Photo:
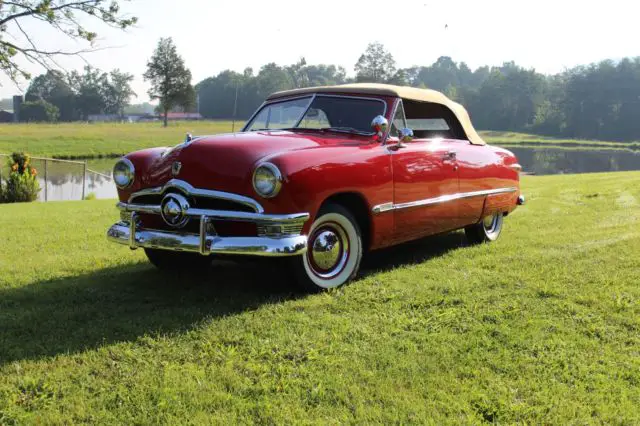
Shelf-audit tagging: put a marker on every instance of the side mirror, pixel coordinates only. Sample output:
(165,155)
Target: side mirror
(379,125)
(405,135)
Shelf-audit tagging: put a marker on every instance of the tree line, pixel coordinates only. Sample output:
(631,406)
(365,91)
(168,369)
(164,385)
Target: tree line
(597,101)
(58,96)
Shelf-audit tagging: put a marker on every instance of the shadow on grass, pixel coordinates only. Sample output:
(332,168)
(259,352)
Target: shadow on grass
(412,253)
(111,305)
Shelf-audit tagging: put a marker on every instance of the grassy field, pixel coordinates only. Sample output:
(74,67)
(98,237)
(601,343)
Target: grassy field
(524,139)
(541,327)
(82,140)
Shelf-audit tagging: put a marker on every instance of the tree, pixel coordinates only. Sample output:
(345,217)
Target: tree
(298,73)
(273,78)
(54,88)
(375,65)
(509,99)
(38,112)
(90,89)
(169,77)
(60,15)
(118,92)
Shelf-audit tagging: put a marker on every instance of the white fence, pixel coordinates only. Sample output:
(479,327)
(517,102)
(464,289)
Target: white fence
(44,173)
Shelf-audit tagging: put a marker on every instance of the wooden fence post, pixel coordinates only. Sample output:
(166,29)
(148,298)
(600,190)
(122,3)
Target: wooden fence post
(84,177)
(46,179)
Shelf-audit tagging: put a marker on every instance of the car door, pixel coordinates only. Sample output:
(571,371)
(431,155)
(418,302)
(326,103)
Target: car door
(424,177)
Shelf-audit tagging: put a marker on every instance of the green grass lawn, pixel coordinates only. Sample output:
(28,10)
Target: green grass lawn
(83,140)
(541,327)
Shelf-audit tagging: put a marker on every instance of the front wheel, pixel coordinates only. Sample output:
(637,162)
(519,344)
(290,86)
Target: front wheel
(177,261)
(487,230)
(334,250)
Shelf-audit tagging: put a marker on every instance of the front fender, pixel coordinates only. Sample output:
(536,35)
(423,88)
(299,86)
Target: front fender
(142,161)
(314,175)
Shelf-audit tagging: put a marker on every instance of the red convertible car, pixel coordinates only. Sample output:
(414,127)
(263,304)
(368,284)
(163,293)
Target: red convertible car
(320,175)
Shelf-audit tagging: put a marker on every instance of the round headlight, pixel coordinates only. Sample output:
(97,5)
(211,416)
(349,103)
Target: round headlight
(123,173)
(267,180)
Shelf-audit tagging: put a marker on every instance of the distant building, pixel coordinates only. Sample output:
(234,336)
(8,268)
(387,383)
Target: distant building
(112,118)
(184,116)
(101,118)
(6,116)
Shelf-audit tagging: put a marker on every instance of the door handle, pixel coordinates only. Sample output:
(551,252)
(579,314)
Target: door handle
(396,146)
(449,156)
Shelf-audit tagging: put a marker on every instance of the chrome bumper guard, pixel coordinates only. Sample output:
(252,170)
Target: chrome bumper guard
(207,241)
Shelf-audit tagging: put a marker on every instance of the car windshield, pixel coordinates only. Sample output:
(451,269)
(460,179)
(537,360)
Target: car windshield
(327,113)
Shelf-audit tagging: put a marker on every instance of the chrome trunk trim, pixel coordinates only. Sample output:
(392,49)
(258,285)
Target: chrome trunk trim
(385,207)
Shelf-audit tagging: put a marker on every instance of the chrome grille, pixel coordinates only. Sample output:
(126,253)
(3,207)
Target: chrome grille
(279,229)
(200,198)
(196,201)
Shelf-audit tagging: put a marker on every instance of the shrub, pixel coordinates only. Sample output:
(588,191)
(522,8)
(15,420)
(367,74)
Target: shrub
(39,111)
(22,184)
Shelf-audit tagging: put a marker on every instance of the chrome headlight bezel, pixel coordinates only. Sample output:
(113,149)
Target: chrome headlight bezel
(128,171)
(274,171)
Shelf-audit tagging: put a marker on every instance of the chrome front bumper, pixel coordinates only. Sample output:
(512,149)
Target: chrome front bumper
(207,242)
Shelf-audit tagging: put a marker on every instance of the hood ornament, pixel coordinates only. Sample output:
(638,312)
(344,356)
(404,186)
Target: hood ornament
(175,168)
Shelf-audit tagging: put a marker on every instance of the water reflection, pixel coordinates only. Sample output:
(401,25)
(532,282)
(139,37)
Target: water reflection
(549,161)
(65,180)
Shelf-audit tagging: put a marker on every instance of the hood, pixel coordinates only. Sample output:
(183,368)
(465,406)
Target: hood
(226,162)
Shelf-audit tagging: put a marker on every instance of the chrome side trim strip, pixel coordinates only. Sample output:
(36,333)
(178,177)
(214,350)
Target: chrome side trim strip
(188,189)
(385,207)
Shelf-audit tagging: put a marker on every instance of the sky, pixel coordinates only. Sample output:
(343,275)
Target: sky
(214,35)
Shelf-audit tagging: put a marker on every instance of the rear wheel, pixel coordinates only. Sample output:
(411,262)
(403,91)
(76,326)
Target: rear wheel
(334,250)
(487,230)
(177,261)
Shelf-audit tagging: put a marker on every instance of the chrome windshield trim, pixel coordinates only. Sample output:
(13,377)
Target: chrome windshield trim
(313,97)
(299,120)
(188,189)
(394,110)
(220,214)
(277,101)
(244,128)
(385,207)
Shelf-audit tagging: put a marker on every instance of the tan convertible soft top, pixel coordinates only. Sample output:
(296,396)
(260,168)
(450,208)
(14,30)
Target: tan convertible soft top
(403,92)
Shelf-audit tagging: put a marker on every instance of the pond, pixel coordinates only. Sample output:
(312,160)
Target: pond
(550,161)
(65,180)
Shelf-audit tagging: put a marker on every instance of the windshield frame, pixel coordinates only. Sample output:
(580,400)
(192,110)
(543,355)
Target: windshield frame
(312,98)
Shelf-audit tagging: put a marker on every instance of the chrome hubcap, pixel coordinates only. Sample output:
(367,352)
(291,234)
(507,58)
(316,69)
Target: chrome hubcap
(328,251)
(490,223)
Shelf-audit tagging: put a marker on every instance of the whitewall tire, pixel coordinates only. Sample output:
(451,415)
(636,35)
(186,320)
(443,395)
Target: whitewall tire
(334,250)
(487,230)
